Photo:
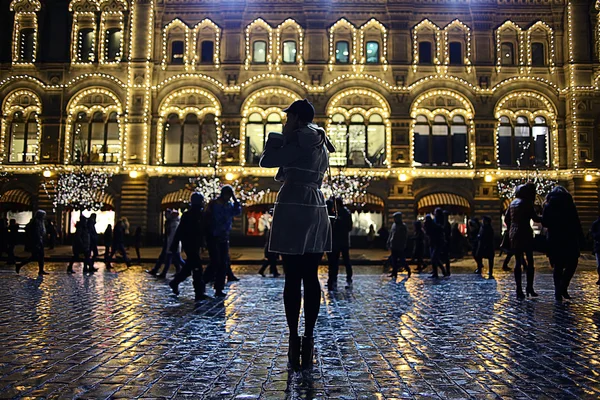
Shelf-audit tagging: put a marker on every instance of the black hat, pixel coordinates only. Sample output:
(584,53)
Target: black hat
(303,109)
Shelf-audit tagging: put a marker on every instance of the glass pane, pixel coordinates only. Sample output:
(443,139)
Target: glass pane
(421,143)
(439,119)
(504,120)
(209,150)
(538,58)
(259,52)
(357,118)
(456,57)
(255,142)
(207,51)
(113,144)
(439,145)
(425,54)
(338,136)
(113,48)
(274,127)
(86,45)
(540,120)
(342,52)
(256,117)
(172,140)
(191,140)
(460,147)
(507,54)
(356,145)
(27,45)
(97,148)
(376,144)
(505,145)
(289,52)
(421,119)
(540,142)
(372,52)
(375,118)
(274,117)
(177,52)
(32,143)
(80,138)
(522,145)
(17,140)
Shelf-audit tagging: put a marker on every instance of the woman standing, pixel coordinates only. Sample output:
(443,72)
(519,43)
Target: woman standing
(301,231)
(519,216)
(419,247)
(564,238)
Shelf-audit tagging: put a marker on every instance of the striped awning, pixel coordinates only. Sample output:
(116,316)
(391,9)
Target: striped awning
(176,198)
(370,200)
(431,201)
(17,197)
(267,199)
(107,200)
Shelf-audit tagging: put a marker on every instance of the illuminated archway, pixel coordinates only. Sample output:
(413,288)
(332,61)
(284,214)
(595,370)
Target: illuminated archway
(21,127)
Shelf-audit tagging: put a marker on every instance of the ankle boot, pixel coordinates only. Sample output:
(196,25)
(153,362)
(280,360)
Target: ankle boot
(308,349)
(529,289)
(519,281)
(294,353)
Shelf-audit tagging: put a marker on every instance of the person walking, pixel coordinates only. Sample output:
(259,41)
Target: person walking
(485,247)
(108,241)
(138,243)
(419,246)
(190,235)
(35,231)
(119,238)
(91,227)
(11,241)
(384,234)
(270,258)
(81,246)
(436,242)
(52,235)
(595,232)
(219,216)
(397,245)
(371,236)
(520,213)
(564,237)
(126,233)
(441,219)
(301,231)
(160,261)
(473,230)
(341,225)
(172,257)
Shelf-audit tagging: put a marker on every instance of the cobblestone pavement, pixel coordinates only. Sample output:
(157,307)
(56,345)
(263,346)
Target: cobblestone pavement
(122,335)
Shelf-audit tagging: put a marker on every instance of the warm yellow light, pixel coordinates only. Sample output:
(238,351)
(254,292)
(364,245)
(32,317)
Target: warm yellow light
(489,178)
(402,177)
(47,173)
(133,174)
(229,176)
(589,178)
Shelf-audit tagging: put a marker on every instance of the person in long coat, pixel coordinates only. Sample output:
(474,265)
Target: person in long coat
(301,231)
(485,246)
(519,216)
(82,245)
(341,226)
(36,233)
(564,238)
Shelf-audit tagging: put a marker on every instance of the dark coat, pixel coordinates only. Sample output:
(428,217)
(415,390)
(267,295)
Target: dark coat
(108,237)
(519,215)
(564,233)
(419,249)
(190,232)
(91,225)
(435,234)
(485,242)
(81,240)
(340,227)
(13,234)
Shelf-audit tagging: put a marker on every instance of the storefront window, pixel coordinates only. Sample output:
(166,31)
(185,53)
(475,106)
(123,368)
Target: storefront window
(103,219)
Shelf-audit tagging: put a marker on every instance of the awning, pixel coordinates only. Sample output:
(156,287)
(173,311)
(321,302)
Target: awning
(449,201)
(367,202)
(268,199)
(107,200)
(16,199)
(175,199)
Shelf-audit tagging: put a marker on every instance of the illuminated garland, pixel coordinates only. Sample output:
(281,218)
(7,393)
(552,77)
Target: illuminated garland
(350,188)
(543,186)
(81,190)
(210,188)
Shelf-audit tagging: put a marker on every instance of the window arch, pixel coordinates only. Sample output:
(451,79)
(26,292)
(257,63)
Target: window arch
(373,43)
(25,31)
(426,44)
(207,37)
(290,44)
(342,43)
(112,24)
(259,43)
(540,46)
(191,140)
(176,39)
(84,31)
(457,38)
(21,128)
(257,130)
(509,45)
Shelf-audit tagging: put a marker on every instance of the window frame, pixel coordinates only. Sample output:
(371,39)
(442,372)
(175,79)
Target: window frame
(171,52)
(105,120)
(544,61)
(295,61)
(461,60)
(512,54)
(378,55)
(25,120)
(337,61)
(431,50)
(254,50)
(212,53)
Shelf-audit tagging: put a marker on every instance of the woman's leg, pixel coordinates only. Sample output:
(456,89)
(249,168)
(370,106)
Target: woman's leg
(312,291)
(568,275)
(292,292)
(558,269)
(518,274)
(530,272)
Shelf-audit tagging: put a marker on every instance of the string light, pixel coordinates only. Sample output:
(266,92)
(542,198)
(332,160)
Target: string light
(80,189)
(299,34)
(257,23)
(426,24)
(351,188)
(25,20)
(507,187)
(333,39)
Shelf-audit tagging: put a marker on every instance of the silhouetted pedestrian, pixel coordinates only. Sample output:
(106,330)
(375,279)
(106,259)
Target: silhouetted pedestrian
(108,241)
(190,234)
(371,236)
(35,232)
(520,213)
(138,243)
(419,246)
(595,231)
(473,228)
(118,246)
(172,256)
(564,238)
(81,246)
(271,258)
(397,245)
(436,242)
(341,225)
(12,239)
(93,241)
(441,218)
(384,234)
(52,235)
(301,231)
(485,246)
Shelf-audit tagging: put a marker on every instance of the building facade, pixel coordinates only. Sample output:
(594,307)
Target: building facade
(436,101)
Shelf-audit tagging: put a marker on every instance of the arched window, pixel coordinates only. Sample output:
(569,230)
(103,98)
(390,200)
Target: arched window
(96,138)
(207,51)
(257,130)
(523,144)
(342,52)
(259,52)
(359,142)
(114,37)
(425,53)
(456,53)
(357,139)
(177,52)
(23,138)
(86,45)
(191,141)
(376,140)
(289,52)
(538,55)
(372,52)
(338,134)
(25,26)
(27,45)
(441,142)
(507,56)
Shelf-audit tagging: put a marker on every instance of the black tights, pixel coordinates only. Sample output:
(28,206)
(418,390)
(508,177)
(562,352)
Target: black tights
(525,259)
(299,269)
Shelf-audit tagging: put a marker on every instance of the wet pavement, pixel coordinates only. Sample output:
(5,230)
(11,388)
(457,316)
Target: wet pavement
(123,335)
